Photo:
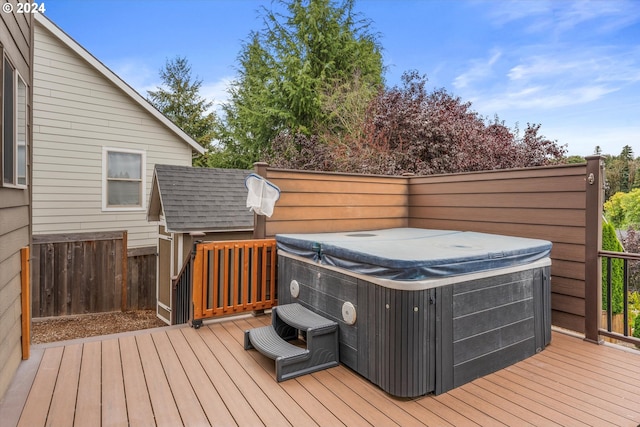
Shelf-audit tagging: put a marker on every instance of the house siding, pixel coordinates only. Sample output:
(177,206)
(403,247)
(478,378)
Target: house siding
(78,111)
(16,39)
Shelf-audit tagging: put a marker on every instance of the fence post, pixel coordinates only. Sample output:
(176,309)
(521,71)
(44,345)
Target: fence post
(125,270)
(593,244)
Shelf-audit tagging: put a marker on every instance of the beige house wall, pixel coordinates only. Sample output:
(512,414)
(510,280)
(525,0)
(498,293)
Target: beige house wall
(81,108)
(16,42)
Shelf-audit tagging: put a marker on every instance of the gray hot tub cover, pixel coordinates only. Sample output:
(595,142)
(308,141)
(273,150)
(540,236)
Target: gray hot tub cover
(413,253)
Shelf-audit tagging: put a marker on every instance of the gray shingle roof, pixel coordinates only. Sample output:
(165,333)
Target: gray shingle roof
(200,199)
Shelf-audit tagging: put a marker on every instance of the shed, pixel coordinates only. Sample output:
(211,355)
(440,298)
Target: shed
(194,204)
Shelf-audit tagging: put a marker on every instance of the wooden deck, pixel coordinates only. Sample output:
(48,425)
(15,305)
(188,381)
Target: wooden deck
(182,376)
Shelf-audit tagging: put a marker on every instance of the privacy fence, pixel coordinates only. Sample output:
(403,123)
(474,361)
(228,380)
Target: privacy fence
(562,204)
(89,273)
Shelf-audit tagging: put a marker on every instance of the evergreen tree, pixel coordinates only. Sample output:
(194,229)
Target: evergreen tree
(179,99)
(290,71)
(611,243)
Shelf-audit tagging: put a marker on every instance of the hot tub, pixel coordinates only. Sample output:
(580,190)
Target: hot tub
(422,311)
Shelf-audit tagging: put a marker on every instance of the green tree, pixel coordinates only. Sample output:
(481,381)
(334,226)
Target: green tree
(179,99)
(575,159)
(613,210)
(623,209)
(411,130)
(610,243)
(631,206)
(626,158)
(289,72)
(622,172)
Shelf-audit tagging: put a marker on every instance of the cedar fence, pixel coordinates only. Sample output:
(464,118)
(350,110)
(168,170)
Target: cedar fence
(83,273)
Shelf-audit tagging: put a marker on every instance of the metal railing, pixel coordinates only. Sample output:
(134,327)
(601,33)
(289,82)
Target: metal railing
(607,329)
(233,277)
(181,288)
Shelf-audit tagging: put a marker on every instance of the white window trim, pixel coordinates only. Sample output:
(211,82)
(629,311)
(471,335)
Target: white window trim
(17,78)
(105,207)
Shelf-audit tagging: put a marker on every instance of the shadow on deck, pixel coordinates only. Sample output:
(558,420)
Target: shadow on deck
(182,376)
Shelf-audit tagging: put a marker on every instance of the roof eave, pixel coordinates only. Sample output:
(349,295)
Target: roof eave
(216,230)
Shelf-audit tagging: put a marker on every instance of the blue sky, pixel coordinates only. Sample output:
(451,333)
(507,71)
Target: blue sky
(573,66)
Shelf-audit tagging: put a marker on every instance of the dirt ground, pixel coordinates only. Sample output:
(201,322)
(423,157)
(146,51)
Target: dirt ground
(89,325)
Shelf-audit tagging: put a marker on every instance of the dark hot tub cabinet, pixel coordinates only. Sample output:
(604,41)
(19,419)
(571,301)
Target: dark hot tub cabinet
(422,311)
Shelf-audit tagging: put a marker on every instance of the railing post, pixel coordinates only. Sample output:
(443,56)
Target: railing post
(260,221)
(593,244)
(196,286)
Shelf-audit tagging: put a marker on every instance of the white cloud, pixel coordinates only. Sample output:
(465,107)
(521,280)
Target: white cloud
(582,140)
(216,92)
(137,74)
(540,97)
(557,17)
(543,67)
(551,79)
(479,70)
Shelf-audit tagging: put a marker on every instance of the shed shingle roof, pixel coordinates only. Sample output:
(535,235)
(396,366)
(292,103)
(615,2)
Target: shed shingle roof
(200,199)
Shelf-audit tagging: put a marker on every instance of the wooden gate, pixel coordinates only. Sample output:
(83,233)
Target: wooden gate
(233,277)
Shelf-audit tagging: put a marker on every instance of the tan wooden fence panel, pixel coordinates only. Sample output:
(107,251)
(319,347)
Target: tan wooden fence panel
(323,202)
(544,203)
(555,203)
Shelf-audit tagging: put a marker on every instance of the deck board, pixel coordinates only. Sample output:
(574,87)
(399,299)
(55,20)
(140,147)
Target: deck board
(188,404)
(36,409)
(493,397)
(549,399)
(482,406)
(575,396)
(88,405)
(241,411)
(139,410)
(183,376)
(230,336)
(160,394)
(212,404)
(114,402)
(252,392)
(65,393)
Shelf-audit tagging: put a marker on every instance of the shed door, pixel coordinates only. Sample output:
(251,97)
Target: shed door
(165,243)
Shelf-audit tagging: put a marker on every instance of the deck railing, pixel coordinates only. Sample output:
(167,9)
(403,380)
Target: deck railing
(607,328)
(181,286)
(233,277)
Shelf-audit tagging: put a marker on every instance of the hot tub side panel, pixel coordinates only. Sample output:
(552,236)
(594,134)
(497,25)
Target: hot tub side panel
(391,342)
(411,343)
(396,348)
(489,324)
(323,292)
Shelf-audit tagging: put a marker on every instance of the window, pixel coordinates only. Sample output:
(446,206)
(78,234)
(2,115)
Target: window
(14,127)
(123,173)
